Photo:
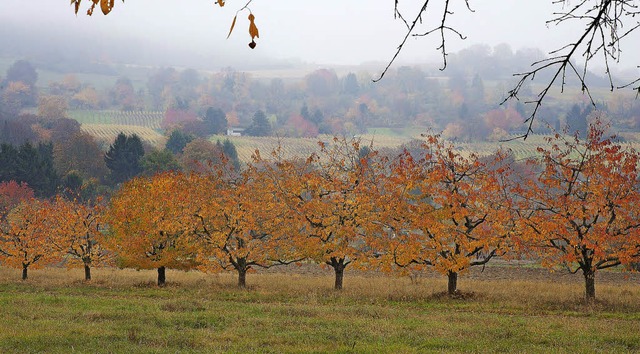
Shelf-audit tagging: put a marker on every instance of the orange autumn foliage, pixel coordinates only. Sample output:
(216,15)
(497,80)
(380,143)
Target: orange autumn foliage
(579,211)
(332,198)
(451,213)
(25,237)
(147,218)
(239,224)
(77,233)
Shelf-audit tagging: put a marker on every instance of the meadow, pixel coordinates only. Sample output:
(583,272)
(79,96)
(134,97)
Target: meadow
(122,311)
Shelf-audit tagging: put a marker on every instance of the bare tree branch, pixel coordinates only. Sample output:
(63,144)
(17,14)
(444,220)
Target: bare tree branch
(607,23)
(601,36)
(411,28)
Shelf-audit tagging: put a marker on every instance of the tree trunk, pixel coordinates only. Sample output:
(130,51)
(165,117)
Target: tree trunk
(162,278)
(452,287)
(339,277)
(24,272)
(589,284)
(338,268)
(87,272)
(242,278)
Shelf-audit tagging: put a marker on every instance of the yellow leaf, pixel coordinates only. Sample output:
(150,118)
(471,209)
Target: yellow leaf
(233,24)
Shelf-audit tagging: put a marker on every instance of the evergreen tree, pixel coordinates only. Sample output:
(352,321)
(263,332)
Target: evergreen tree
(8,162)
(177,141)
(123,158)
(231,153)
(476,93)
(260,125)
(46,177)
(317,118)
(216,121)
(304,112)
(30,164)
(350,84)
(577,120)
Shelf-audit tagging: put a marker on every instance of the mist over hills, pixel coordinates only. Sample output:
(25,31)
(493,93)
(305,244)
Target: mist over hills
(64,49)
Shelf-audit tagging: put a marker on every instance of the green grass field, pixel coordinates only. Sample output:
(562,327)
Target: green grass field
(121,311)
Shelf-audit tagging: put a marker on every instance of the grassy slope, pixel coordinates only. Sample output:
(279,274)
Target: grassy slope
(122,312)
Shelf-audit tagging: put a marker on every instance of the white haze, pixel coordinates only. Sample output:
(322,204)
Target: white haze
(342,32)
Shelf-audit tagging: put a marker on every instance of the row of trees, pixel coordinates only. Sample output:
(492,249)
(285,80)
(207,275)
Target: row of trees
(53,155)
(432,206)
(461,103)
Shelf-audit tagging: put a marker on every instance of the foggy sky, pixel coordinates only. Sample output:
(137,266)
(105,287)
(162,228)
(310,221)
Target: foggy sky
(323,32)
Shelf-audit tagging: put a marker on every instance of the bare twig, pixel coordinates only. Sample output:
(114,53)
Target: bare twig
(607,23)
(601,37)
(411,28)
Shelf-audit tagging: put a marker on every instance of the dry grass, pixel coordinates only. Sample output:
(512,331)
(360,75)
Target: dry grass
(555,292)
(123,311)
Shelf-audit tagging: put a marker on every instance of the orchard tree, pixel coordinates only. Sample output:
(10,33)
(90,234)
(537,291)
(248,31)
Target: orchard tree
(77,233)
(333,198)
(453,211)
(24,238)
(240,223)
(147,219)
(578,212)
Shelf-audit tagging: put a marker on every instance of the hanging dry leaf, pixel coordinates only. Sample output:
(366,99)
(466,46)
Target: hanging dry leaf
(106,6)
(233,24)
(253,30)
(93,6)
(76,4)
